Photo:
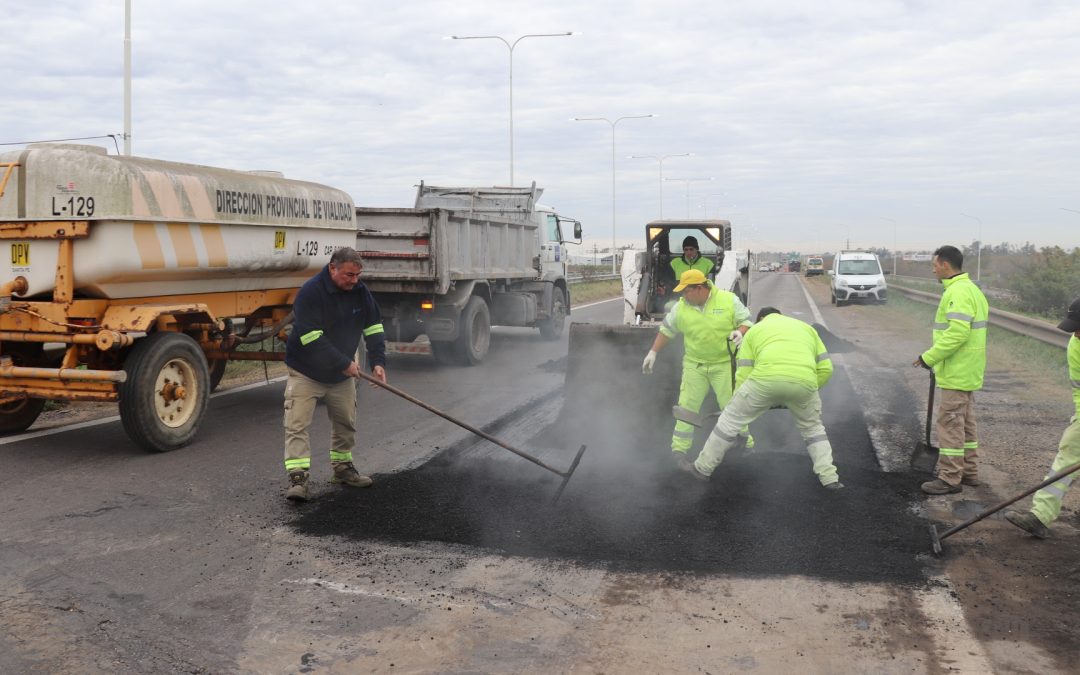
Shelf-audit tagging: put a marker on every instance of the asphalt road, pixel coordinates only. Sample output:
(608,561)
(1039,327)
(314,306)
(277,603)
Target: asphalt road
(191,561)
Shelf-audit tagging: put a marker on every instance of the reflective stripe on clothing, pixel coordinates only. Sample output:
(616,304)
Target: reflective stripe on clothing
(745,363)
(373,330)
(298,464)
(1047,503)
(698,379)
(308,338)
(336,457)
(971,445)
(951,452)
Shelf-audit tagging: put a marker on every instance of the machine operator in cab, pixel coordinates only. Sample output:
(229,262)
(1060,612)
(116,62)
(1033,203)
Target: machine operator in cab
(691,259)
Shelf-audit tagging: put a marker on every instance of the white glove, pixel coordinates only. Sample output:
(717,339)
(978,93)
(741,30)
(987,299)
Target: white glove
(650,361)
(735,337)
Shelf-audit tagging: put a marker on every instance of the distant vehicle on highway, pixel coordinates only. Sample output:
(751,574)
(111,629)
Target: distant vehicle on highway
(856,274)
(794,266)
(814,266)
(764,268)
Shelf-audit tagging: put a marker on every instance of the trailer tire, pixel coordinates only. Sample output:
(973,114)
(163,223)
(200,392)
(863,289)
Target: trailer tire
(154,413)
(552,328)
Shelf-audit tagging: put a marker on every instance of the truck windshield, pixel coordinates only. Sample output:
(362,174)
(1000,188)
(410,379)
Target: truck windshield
(816,262)
(859,267)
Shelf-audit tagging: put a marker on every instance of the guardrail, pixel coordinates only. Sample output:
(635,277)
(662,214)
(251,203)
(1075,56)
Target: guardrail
(990,291)
(579,278)
(1042,331)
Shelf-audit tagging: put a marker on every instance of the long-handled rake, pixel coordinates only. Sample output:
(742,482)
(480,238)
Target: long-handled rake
(565,475)
(935,538)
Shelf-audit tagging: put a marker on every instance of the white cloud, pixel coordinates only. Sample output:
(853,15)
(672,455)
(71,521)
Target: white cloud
(812,118)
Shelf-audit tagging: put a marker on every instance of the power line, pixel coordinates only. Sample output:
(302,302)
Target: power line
(62,140)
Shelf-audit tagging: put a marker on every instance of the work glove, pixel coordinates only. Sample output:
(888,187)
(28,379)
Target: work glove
(736,337)
(650,361)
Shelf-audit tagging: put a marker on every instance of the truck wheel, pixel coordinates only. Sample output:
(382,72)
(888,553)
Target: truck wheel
(552,329)
(166,392)
(474,334)
(216,372)
(19,415)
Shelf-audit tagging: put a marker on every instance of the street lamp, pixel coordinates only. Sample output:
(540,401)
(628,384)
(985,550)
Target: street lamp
(893,242)
(1073,210)
(661,161)
(978,255)
(510,46)
(688,181)
(614,270)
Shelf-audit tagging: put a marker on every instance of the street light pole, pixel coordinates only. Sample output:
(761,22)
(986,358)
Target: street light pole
(614,124)
(978,254)
(893,242)
(510,47)
(127,78)
(661,161)
(688,181)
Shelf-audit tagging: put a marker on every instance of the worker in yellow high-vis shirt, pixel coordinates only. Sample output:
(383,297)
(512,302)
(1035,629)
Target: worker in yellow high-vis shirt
(1046,506)
(707,318)
(782,362)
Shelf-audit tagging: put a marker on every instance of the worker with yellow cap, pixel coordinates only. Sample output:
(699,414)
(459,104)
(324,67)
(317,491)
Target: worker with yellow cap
(708,319)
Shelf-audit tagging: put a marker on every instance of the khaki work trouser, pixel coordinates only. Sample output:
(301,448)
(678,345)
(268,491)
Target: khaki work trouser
(958,436)
(301,395)
(1047,503)
(753,399)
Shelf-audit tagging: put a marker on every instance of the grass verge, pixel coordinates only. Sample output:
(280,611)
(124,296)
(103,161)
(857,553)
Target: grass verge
(591,291)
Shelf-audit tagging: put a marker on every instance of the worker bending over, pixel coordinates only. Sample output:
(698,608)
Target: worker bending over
(1046,506)
(782,362)
(708,318)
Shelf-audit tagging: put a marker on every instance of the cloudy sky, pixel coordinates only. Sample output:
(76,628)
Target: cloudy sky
(816,121)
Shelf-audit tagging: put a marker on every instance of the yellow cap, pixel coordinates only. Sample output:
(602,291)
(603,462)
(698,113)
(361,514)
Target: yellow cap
(690,278)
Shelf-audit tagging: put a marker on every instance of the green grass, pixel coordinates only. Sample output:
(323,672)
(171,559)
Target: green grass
(591,291)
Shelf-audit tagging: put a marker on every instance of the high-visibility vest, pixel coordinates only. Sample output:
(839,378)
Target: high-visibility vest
(1074,371)
(958,355)
(782,348)
(679,265)
(705,329)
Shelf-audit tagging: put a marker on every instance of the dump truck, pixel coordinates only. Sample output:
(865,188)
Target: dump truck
(462,260)
(609,356)
(134,280)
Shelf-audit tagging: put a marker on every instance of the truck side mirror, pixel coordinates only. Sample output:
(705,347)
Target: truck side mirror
(577,230)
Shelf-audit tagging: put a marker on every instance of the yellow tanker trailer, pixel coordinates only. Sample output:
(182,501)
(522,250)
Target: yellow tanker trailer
(138,270)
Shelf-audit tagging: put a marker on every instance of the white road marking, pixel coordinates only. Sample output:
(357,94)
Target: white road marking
(813,305)
(594,304)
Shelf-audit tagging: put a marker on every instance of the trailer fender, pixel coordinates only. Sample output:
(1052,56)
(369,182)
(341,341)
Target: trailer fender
(442,325)
(142,318)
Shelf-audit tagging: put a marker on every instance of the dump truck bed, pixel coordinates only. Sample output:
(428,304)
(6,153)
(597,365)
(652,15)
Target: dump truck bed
(426,250)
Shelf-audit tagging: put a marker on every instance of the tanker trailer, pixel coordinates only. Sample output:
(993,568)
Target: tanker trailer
(148,274)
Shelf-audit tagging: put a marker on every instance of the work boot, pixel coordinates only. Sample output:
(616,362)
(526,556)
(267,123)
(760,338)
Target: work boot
(1028,522)
(298,490)
(970,481)
(687,467)
(346,474)
(834,486)
(680,461)
(939,487)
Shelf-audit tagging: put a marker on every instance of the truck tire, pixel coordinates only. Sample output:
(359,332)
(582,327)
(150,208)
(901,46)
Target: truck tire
(552,328)
(19,415)
(474,335)
(166,392)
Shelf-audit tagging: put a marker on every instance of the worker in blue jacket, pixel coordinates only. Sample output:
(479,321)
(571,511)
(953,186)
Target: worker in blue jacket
(333,311)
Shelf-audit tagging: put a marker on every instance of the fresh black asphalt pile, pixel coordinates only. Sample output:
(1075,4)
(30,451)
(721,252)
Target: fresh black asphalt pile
(761,514)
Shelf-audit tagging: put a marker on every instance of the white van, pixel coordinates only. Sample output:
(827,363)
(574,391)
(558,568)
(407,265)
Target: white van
(856,274)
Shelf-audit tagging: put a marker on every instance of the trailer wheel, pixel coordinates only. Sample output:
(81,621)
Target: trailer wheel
(552,328)
(19,415)
(166,392)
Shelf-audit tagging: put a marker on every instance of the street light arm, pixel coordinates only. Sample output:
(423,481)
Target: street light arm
(534,35)
(483,37)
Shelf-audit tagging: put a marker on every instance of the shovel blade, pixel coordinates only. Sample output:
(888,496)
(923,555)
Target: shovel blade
(924,458)
(935,540)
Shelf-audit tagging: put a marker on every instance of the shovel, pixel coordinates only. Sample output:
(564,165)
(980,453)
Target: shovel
(696,419)
(565,475)
(925,456)
(935,538)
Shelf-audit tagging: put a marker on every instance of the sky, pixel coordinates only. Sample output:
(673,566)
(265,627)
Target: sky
(821,125)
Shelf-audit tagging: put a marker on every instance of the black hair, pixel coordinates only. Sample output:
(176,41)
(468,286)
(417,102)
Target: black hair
(766,311)
(951,255)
